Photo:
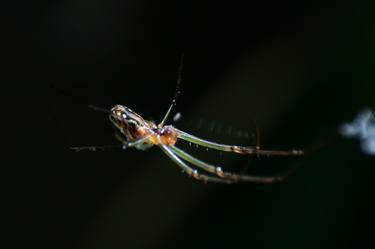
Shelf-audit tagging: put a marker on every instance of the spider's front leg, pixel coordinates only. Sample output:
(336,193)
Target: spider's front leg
(236,149)
(227,177)
(190,171)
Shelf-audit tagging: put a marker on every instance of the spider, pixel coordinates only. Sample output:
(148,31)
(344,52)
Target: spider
(142,134)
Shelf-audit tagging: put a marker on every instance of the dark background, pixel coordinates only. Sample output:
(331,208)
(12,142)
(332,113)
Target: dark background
(297,69)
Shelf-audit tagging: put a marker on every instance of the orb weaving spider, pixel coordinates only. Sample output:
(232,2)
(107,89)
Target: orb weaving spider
(143,134)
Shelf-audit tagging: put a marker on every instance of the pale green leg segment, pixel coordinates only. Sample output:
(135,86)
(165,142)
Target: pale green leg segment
(195,140)
(207,167)
(233,148)
(192,172)
(225,175)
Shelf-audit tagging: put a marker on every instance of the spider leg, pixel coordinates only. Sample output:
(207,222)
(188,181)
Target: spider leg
(234,148)
(95,148)
(177,93)
(125,144)
(190,171)
(232,177)
(207,167)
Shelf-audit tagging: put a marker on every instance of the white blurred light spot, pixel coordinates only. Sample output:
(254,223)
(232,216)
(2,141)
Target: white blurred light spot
(177,117)
(363,128)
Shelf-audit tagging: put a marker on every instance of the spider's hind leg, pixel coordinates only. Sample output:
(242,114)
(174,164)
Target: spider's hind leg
(124,144)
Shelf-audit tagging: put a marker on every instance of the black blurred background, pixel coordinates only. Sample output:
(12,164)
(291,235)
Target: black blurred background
(298,69)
